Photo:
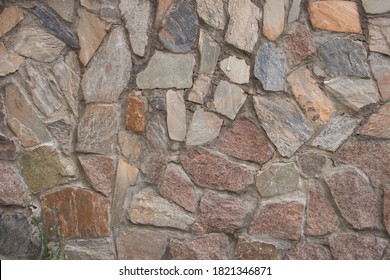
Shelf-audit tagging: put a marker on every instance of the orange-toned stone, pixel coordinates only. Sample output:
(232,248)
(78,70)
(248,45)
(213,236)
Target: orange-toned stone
(339,16)
(136,112)
(273,19)
(378,125)
(9,18)
(9,61)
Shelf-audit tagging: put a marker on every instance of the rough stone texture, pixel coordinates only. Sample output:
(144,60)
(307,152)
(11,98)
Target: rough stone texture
(321,218)
(298,44)
(177,187)
(81,213)
(228,99)
(131,244)
(64,8)
(283,122)
(236,69)
(244,141)
(180,29)
(157,100)
(339,16)
(209,53)
(17,239)
(156,135)
(335,133)
(9,18)
(211,247)
(220,214)
(137,16)
(42,169)
(355,198)
(386,208)
(176,115)
(353,93)
(136,111)
(153,166)
(352,246)
(370,156)
(91,31)
(13,191)
(97,131)
(109,71)
(379,35)
(9,149)
(378,125)
(273,19)
(212,12)
(307,251)
(205,127)
(89,249)
(344,57)
(311,164)
(9,61)
(62,131)
(215,172)
(200,89)
(243,28)
(99,171)
(270,67)
(294,11)
(376,6)
(279,220)
(163,8)
(147,207)
(167,70)
(310,97)
(277,179)
(131,145)
(380,66)
(107,9)
(249,249)
(22,118)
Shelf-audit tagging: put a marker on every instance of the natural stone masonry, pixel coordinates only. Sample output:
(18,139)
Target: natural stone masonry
(137,108)
(378,125)
(379,29)
(380,66)
(209,53)
(9,18)
(176,115)
(307,251)
(248,249)
(236,69)
(9,61)
(273,19)
(212,12)
(13,191)
(228,99)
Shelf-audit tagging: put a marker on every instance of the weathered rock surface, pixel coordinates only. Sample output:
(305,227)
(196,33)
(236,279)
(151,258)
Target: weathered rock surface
(307,251)
(249,249)
(379,35)
(386,208)
(153,166)
(228,99)
(136,111)
(13,191)
(298,44)
(62,131)
(378,125)
(9,149)
(215,172)
(294,11)
(380,66)
(163,8)
(311,164)
(64,8)
(9,61)
(273,19)
(89,249)
(9,18)
(176,115)
(107,9)
(236,69)
(157,134)
(212,12)
(376,6)
(157,100)
(131,145)
(209,53)
(200,89)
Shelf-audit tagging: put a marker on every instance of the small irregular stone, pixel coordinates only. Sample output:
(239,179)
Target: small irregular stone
(228,99)
(378,125)
(9,18)
(109,71)
(215,172)
(386,208)
(277,179)
(157,134)
(204,128)
(176,115)
(13,191)
(166,70)
(335,133)
(163,7)
(298,44)
(249,249)
(236,69)
(283,122)
(153,166)
(311,164)
(64,8)
(212,12)
(200,89)
(379,35)
(294,11)
(157,100)
(209,53)
(89,249)
(136,112)
(376,6)
(107,9)
(62,131)
(149,208)
(9,61)
(9,149)
(245,141)
(131,145)
(380,66)
(270,67)
(308,251)
(273,19)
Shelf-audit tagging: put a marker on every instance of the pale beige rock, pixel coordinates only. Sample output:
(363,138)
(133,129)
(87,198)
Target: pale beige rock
(379,35)
(212,12)
(376,6)
(131,145)
(209,53)
(64,8)
(9,61)
(236,69)
(228,99)
(200,89)
(9,18)
(273,19)
(176,115)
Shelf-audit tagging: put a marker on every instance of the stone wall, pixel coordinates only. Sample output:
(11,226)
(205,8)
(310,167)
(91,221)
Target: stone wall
(207,129)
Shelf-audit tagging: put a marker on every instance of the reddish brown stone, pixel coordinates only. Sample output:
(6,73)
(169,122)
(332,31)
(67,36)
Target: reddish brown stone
(211,247)
(100,172)
(378,125)
(279,220)
(386,209)
(81,213)
(244,141)
(248,249)
(220,214)
(372,157)
(352,246)
(177,187)
(355,198)
(215,172)
(13,191)
(136,113)
(311,164)
(307,251)
(298,45)
(8,148)
(321,218)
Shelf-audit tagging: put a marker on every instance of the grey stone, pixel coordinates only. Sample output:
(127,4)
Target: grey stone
(344,57)
(311,164)
(379,35)
(209,53)
(8,148)
(228,99)
(131,145)
(157,100)
(153,166)
(294,11)
(236,69)
(13,191)
(380,66)
(200,89)
(307,251)
(64,8)
(167,70)
(212,12)
(109,71)
(62,131)
(283,122)
(176,115)
(335,133)
(89,249)
(270,67)
(376,6)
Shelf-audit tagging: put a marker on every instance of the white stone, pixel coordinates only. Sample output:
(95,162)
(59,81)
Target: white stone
(236,69)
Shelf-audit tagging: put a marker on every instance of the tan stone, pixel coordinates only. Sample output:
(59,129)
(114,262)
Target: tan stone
(9,61)
(9,18)
(339,16)
(176,115)
(136,112)
(378,125)
(64,8)
(379,35)
(273,19)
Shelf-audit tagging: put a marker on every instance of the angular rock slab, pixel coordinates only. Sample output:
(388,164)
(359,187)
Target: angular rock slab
(249,249)
(64,8)
(273,19)
(153,166)
(212,12)
(209,52)
(136,112)
(176,115)
(386,209)
(109,71)
(245,141)
(167,70)
(283,122)
(149,208)
(215,172)
(81,213)
(376,6)
(62,131)
(211,247)
(97,131)
(13,191)
(157,134)
(107,9)
(9,18)
(378,125)
(131,145)
(270,67)
(379,35)
(93,249)
(228,99)
(180,30)
(9,61)
(294,11)
(131,244)
(236,69)
(307,251)
(339,16)
(380,66)
(344,57)
(200,89)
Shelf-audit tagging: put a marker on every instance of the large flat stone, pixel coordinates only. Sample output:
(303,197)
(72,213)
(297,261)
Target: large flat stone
(176,115)
(167,70)
(308,251)
(236,69)
(109,71)
(273,19)
(9,18)
(379,35)
(249,249)
(13,191)
(378,125)
(283,122)
(380,66)
(9,61)
(213,12)
(228,99)
(376,6)
(209,52)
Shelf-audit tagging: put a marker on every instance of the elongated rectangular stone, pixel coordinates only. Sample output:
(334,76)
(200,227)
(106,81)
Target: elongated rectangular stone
(176,115)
